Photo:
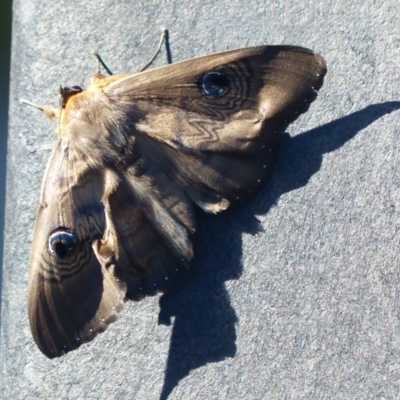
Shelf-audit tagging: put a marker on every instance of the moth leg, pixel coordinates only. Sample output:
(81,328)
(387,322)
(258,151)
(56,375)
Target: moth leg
(100,62)
(50,111)
(163,38)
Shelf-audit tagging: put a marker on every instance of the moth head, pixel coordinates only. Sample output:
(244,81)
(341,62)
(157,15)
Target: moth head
(214,84)
(61,243)
(51,112)
(67,92)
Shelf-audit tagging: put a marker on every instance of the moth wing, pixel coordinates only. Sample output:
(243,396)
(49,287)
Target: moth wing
(70,298)
(148,219)
(219,149)
(129,238)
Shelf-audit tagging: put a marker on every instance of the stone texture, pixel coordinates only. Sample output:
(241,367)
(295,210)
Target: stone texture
(294,297)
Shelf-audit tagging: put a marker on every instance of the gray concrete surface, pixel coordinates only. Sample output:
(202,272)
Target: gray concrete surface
(294,297)
(5,44)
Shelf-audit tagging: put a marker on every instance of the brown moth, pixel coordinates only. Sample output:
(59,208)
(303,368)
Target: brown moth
(135,154)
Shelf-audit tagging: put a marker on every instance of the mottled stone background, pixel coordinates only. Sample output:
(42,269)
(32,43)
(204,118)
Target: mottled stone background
(294,297)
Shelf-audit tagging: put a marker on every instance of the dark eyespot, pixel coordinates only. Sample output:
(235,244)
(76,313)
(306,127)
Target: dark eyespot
(214,84)
(61,243)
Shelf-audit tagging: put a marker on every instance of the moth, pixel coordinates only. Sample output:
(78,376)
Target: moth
(135,155)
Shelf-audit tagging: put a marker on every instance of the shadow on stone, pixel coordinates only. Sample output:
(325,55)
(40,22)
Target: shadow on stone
(203,318)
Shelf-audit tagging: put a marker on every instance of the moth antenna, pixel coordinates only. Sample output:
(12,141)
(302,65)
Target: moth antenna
(100,62)
(29,103)
(164,34)
(49,111)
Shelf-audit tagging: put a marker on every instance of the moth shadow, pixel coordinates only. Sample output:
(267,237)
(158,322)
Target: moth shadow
(200,309)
